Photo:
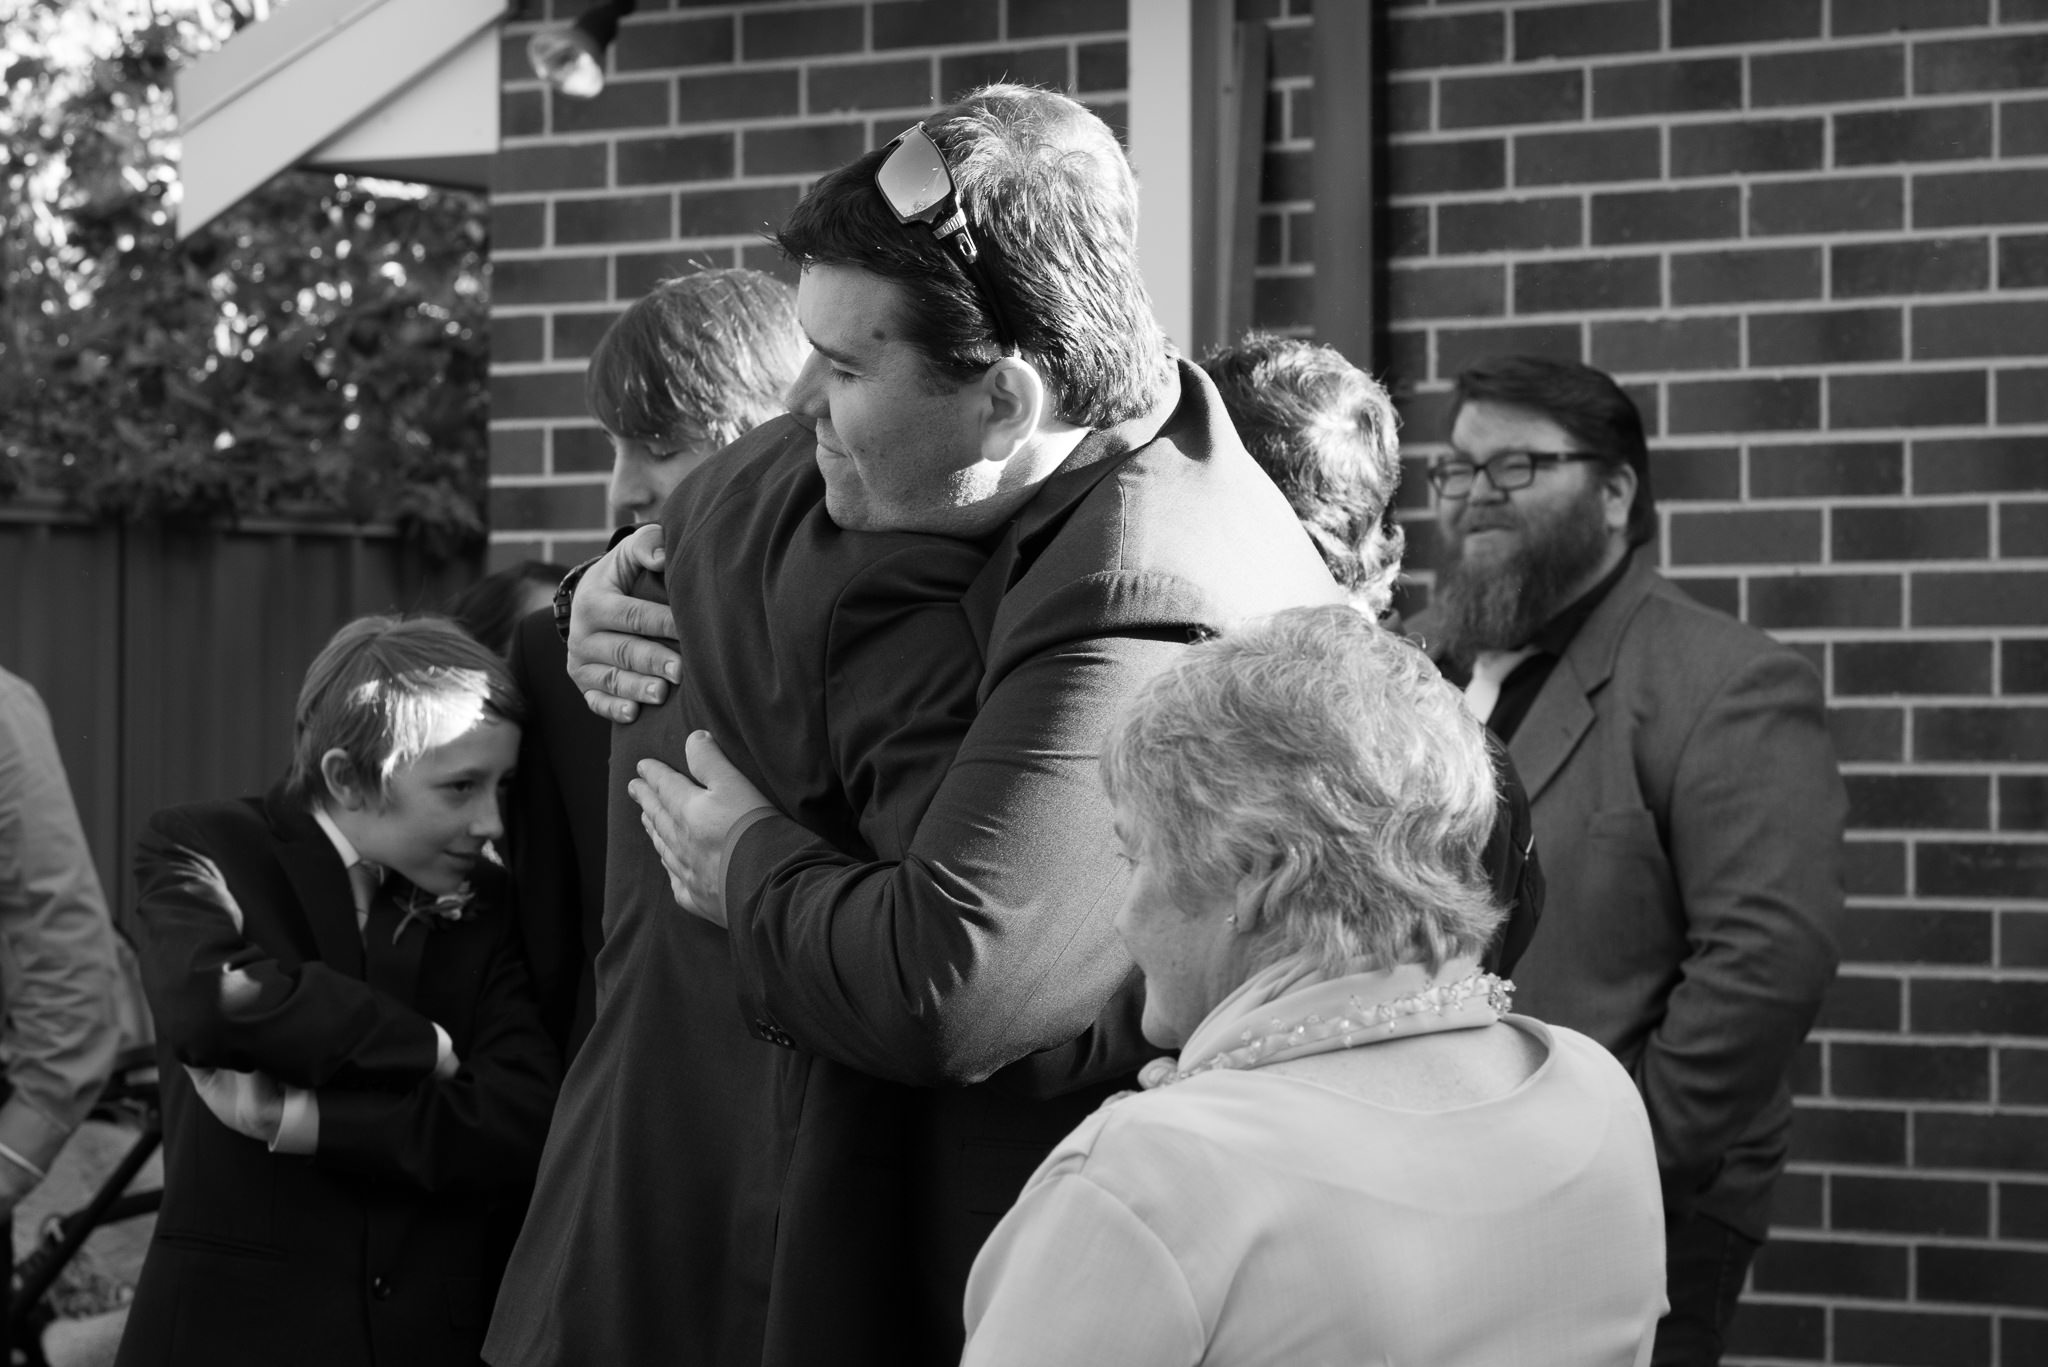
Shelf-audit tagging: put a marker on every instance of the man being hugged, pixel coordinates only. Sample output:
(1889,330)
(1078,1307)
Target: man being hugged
(356,1083)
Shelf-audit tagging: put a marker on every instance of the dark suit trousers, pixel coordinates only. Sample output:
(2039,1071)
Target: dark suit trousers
(1704,1264)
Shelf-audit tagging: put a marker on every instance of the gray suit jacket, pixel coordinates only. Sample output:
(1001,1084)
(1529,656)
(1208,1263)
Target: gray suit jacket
(1689,813)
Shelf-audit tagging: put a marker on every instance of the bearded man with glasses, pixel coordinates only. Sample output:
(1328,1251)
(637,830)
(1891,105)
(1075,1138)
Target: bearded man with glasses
(1687,802)
(895,1021)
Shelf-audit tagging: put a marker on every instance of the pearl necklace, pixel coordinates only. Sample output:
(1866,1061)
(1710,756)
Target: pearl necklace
(1365,1023)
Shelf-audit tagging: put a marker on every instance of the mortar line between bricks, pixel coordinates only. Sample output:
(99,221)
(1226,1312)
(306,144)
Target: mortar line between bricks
(1974,564)
(1786,47)
(1852,635)
(1837,569)
(1890,1173)
(1750,1296)
(1758,308)
(1857,238)
(1977,1109)
(1881,1239)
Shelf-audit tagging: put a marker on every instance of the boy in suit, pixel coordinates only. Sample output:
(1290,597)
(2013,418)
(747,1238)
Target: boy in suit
(356,1084)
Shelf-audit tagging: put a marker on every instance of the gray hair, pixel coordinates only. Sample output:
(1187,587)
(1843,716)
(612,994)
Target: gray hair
(1318,770)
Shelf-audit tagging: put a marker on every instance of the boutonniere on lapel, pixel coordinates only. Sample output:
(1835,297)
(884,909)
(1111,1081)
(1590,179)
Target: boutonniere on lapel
(434,913)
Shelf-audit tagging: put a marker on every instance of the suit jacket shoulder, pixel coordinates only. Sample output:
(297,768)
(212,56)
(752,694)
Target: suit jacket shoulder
(1180,533)
(1668,645)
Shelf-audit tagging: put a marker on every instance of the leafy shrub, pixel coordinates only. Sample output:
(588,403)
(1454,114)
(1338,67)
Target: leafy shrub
(318,349)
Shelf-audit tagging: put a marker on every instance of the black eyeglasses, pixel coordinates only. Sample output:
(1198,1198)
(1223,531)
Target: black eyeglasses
(1454,476)
(918,187)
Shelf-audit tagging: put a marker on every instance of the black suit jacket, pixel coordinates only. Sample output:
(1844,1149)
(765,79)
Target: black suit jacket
(786,1144)
(555,832)
(708,1196)
(384,1246)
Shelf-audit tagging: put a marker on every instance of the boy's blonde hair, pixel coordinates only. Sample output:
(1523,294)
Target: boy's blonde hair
(381,689)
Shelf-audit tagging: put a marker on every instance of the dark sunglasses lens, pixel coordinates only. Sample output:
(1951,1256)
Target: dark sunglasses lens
(913,178)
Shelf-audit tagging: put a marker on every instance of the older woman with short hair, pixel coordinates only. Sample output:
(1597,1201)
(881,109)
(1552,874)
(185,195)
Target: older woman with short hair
(1358,1156)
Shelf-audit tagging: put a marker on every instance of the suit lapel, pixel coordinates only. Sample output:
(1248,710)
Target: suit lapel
(394,963)
(1556,721)
(1563,711)
(985,595)
(317,876)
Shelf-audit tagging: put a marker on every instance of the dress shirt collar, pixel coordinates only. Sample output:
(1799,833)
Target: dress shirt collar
(342,847)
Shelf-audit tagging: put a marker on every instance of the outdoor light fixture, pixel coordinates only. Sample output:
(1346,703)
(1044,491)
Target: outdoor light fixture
(572,59)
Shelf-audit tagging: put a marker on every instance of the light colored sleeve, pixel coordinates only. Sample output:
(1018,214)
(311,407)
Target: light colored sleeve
(1072,1276)
(445,1061)
(298,1131)
(57,969)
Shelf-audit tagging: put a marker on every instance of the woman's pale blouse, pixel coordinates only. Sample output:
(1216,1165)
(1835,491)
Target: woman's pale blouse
(1247,1216)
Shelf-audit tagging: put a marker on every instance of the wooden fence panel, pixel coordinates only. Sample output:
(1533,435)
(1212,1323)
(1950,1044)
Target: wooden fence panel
(60,630)
(171,660)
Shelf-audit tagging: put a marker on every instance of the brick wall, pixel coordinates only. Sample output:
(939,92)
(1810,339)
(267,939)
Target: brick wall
(715,119)
(1811,237)
(1813,240)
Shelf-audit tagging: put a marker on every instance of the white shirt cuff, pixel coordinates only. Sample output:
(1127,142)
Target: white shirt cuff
(445,1062)
(299,1130)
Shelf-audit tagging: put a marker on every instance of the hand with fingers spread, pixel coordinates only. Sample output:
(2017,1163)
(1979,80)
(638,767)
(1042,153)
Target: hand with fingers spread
(618,651)
(690,819)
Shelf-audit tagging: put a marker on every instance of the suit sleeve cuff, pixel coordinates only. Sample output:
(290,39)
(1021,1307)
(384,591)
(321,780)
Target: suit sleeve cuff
(299,1131)
(29,1139)
(738,895)
(445,1062)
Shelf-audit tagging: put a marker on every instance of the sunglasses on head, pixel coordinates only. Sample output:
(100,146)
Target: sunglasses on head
(918,187)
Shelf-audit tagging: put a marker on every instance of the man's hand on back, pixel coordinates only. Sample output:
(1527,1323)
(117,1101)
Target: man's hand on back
(690,820)
(617,650)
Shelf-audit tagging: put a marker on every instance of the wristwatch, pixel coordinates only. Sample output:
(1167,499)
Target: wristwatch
(565,597)
(565,592)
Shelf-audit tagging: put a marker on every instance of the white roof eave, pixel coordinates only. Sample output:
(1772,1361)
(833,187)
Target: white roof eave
(405,88)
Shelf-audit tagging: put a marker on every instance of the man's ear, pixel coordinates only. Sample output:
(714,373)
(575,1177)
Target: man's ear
(345,787)
(1618,495)
(1014,407)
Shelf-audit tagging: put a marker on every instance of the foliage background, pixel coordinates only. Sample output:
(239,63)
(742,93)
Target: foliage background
(320,348)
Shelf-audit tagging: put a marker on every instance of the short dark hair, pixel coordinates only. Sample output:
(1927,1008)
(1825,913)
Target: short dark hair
(1052,204)
(377,690)
(702,358)
(1583,401)
(1323,430)
(489,609)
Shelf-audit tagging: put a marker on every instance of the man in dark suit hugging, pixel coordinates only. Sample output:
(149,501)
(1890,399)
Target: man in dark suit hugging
(986,370)
(356,1084)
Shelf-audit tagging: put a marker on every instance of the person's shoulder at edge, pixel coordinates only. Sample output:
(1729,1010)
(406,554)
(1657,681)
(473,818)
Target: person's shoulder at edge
(1677,638)
(252,813)
(1125,1126)
(1185,529)
(14,689)
(1676,604)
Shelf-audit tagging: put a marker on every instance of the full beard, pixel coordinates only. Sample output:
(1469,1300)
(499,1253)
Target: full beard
(1500,602)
